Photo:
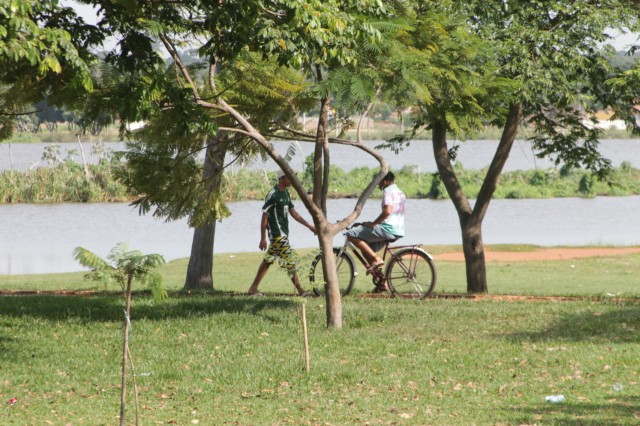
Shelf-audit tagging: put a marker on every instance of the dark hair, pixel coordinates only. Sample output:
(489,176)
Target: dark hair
(390,177)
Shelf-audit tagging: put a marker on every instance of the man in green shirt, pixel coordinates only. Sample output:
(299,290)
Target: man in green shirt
(275,220)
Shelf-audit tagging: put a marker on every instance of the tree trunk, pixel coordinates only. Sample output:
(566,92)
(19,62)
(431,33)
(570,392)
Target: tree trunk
(125,350)
(200,268)
(332,289)
(475,263)
(470,227)
(471,219)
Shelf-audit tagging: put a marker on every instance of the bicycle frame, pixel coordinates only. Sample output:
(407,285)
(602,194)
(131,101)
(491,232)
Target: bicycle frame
(388,248)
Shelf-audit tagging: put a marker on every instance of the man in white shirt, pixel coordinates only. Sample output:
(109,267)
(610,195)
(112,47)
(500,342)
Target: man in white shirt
(370,237)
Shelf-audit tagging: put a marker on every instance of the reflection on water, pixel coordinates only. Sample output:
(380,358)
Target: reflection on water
(41,238)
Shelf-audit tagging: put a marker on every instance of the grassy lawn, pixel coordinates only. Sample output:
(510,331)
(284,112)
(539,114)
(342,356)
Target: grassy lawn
(230,359)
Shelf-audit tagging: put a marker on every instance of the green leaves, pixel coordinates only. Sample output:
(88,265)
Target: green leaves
(44,54)
(164,159)
(123,265)
(90,259)
(552,54)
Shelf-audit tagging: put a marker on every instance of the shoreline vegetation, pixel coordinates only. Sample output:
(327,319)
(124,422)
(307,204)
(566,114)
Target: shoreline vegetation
(67,182)
(379,130)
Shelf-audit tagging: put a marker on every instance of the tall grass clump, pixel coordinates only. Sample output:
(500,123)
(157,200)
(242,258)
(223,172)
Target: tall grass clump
(63,183)
(66,134)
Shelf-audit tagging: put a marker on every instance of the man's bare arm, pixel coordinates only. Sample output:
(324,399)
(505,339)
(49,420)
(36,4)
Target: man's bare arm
(294,213)
(263,231)
(386,211)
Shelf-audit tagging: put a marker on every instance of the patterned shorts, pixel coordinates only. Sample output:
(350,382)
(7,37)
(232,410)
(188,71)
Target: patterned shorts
(281,250)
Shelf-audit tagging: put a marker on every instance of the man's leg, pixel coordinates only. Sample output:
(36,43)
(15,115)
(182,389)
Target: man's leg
(296,282)
(368,253)
(262,271)
(290,259)
(371,257)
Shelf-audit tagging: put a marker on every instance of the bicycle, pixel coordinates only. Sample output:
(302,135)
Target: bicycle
(409,273)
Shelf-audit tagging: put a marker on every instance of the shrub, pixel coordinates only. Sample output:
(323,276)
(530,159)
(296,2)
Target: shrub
(586,184)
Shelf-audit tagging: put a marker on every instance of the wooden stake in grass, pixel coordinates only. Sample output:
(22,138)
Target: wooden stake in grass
(306,337)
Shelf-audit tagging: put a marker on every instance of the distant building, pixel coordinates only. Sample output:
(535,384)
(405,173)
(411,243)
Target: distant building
(135,125)
(636,114)
(605,121)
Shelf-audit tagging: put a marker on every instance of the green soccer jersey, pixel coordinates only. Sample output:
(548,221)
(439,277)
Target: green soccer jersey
(277,204)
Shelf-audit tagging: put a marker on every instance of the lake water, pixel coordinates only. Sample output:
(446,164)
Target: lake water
(41,238)
(472,155)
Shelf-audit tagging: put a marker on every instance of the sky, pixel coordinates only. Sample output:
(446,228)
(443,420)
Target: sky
(88,13)
(624,41)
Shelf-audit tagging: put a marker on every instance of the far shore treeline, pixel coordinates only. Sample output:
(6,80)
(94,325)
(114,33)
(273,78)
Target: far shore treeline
(69,183)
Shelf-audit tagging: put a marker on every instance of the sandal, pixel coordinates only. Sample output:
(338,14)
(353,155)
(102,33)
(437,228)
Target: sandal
(381,289)
(375,266)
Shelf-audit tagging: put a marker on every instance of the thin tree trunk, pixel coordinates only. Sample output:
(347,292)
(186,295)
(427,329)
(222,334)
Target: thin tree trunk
(200,268)
(84,160)
(332,290)
(314,204)
(125,350)
(321,164)
(503,150)
(135,385)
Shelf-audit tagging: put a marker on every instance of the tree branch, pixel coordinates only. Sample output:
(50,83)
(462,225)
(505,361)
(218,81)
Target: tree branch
(497,164)
(178,61)
(364,114)
(236,130)
(447,173)
(18,114)
(298,133)
(249,131)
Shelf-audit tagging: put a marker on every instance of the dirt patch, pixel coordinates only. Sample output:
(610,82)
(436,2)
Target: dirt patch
(513,298)
(519,298)
(543,254)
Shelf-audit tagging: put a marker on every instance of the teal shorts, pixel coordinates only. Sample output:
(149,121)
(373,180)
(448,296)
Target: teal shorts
(376,236)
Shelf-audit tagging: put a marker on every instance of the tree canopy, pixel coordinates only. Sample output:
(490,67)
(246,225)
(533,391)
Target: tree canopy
(45,54)
(539,64)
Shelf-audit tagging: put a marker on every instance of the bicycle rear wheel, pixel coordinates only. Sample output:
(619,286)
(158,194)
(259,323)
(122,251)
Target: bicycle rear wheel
(346,273)
(411,274)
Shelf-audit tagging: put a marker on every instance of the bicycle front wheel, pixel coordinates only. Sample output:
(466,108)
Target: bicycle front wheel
(411,274)
(346,273)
